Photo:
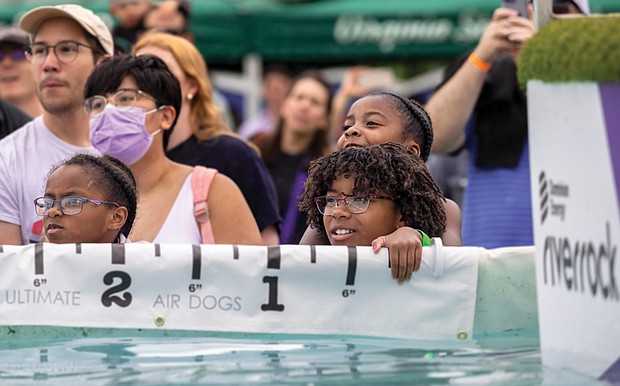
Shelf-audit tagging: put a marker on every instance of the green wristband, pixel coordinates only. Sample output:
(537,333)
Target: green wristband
(426,241)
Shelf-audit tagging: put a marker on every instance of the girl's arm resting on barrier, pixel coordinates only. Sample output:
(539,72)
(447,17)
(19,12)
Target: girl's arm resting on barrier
(405,250)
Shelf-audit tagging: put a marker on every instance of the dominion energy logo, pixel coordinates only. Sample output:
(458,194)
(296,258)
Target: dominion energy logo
(586,266)
(552,198)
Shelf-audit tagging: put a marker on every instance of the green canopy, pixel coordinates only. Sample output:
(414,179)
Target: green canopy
(338,29)
(327,30)
(343,30)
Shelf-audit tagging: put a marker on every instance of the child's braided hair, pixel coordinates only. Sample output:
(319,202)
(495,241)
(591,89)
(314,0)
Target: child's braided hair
(416,121)
(114,178)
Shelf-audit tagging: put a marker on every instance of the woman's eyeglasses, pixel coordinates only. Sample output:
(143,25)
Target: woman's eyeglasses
(69,205)
(355,204)
(124,99)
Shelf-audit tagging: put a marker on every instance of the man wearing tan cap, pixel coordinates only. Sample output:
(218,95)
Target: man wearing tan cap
(66,42)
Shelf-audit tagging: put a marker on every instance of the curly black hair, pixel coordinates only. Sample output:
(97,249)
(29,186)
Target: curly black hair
(114,178)
(387,169)
(417,123)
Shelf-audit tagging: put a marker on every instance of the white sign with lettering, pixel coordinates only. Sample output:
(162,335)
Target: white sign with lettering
(279,289)
(574,133)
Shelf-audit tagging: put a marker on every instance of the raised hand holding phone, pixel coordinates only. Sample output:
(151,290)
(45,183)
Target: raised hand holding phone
(518,5)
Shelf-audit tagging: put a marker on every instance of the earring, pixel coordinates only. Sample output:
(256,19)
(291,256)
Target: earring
(190,96)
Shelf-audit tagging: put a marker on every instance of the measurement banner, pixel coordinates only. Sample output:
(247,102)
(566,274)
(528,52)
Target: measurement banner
(280,289)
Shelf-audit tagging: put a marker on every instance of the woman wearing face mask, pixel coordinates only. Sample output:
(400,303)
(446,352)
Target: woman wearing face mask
(133,103)
(201,137)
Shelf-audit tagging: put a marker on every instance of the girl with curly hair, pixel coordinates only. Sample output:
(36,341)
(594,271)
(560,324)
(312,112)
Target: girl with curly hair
(359,194)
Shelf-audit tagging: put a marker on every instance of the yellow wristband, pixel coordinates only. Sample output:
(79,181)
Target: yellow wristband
(480,64)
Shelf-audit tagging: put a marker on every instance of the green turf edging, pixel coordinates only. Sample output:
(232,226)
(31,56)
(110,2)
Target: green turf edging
(573,50)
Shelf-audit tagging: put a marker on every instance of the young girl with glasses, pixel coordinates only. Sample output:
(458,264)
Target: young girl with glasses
(88,200)
(359,194)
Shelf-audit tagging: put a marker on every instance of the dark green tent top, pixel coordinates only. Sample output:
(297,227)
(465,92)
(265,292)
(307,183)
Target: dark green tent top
(341,29)
(327,30)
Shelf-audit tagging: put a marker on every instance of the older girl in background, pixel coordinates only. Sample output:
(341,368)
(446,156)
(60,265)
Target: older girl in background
(88,200)
(201,137)
(301,136)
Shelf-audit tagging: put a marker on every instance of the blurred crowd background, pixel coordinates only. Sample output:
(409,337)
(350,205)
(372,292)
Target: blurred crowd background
(254,47)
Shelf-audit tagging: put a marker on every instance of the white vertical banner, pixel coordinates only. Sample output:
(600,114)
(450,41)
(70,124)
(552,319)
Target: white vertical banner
(280,289)
(573,134)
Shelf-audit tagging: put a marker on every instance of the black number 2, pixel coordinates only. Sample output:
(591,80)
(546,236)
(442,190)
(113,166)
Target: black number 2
(108,296)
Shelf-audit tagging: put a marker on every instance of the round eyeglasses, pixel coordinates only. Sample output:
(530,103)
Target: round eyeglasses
(355,204)
(69,205)
(124,99)
(65,51)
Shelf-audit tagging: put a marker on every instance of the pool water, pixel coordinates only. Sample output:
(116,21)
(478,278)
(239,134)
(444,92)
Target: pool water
(300,360)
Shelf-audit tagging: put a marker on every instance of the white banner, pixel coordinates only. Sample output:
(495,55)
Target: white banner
(575,170)
(281,289)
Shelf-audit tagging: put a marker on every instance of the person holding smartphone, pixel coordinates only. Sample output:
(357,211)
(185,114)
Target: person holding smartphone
(481,88)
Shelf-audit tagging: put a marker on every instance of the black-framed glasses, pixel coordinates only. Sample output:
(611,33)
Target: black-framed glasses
(16,55)
(124,99)
(355,204)
(69,205)
(66,51)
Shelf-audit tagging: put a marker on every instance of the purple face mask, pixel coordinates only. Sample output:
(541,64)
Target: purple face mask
(121,133)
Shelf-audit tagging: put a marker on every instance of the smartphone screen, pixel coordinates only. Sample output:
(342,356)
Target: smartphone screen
(518,5)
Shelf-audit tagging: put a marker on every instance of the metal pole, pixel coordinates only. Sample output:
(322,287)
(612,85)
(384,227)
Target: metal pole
(252,74)
(543,13)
